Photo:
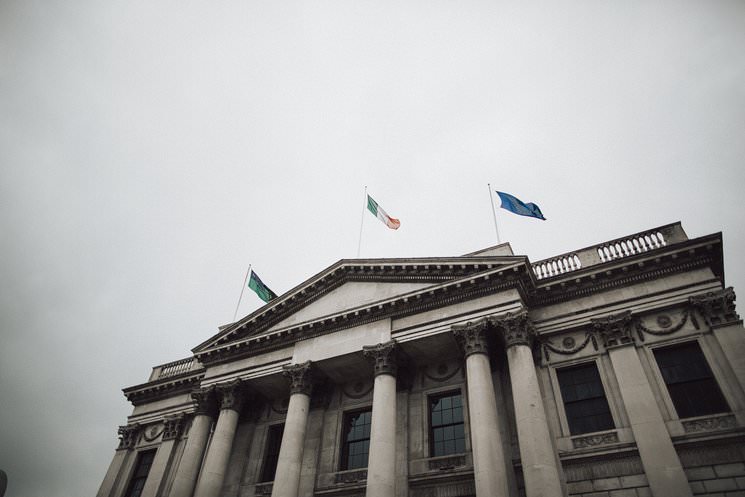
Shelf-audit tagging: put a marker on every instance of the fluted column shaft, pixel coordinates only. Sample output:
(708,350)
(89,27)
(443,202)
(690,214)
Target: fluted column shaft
(289,462)
(539,463)
(489,470)
(191,460)
(381,463)
(216,463)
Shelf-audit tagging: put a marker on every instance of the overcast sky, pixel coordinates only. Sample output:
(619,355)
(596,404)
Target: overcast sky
(151,150)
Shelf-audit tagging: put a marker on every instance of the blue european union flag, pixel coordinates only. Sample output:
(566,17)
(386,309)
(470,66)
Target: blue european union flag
(514,204)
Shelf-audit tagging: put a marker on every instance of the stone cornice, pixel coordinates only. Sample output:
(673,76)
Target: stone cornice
(451,292)
(158,389)
(433,270)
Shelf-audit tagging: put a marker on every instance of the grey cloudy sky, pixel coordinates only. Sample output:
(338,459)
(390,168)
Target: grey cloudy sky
(149,150)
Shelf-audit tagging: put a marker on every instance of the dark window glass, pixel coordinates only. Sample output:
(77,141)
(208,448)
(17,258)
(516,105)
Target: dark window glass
(273,442)
(584,399)
(692,387)
(356,446)
(142,468)
(446,433)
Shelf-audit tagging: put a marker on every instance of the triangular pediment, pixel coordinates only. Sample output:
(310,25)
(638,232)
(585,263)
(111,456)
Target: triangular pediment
(354,284)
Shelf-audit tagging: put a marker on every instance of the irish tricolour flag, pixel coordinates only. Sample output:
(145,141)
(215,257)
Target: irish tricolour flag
(378,212)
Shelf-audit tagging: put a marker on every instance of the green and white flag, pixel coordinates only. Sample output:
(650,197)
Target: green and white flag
(260,288)
(378,212)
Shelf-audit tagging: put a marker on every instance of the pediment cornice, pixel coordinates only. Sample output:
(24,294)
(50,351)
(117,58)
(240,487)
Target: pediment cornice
(418,270)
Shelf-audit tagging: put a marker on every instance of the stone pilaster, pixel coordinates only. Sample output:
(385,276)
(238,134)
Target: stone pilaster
(163,457)
(128,438)
(539,462)
(489,468)
(230,396)
(191,460)
(290,460)
(659,458)
(381,464)
(172,427)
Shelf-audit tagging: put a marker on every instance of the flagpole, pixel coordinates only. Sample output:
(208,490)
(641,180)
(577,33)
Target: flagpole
(362,220)
(242,288)
(494,212)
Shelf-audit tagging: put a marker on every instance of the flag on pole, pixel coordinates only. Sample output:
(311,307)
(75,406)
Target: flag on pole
(260,288)
(513,204)
(378,212)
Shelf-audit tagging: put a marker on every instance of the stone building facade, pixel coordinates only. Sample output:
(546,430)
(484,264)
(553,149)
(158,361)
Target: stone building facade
(617,370)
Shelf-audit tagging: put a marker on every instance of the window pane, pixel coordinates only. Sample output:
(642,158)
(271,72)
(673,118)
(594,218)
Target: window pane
(356,444)
(585,404)
(447,435)
(693,388)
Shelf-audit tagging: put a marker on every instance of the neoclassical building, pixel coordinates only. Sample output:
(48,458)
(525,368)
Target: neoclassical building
(617,370)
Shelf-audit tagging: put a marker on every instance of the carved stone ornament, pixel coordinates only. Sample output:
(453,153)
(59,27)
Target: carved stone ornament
(173,425)
(472,337)
(515,327)
(717,308)
(615,330)
(709,424)
(128,436)
(204,401)
(383,356)
(595,440)
(231,395)
(300,377)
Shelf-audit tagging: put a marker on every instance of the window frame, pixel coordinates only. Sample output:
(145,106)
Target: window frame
(560,396)
(343,464)
(439,394)
(662,385)
(271,428)
(135,468)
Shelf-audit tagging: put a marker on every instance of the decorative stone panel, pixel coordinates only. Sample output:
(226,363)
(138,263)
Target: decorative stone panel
(472,337)
(446,463)
(350,476)
(595,467)
(709,424)
(129,435)
(717,308)
(453,489)
(615,330)
(300,377)
(383,356)
(594,440)
(515,327)
(264,488)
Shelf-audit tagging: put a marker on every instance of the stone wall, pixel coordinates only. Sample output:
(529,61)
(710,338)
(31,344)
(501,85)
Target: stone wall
(715,470)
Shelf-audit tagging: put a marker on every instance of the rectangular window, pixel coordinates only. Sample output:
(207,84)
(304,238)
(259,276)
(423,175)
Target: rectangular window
(271,454)
(356,447)
(446,432)
(692,386)
(142,468)
(585,404)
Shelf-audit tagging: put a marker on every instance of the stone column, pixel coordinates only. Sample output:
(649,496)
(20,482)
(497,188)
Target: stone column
(659,458)
(289,462)
(489,469)
(171,430)
(540,469)
(128,436)
(718,311)
(218,454)
(191,460)
(381,463)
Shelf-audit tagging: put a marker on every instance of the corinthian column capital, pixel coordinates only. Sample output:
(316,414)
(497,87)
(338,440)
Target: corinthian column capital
(383,356)
(204,401)
(128,436)
(717,308)
(231,395)
(515,327)
(472,337)
(300,377)
(615,330)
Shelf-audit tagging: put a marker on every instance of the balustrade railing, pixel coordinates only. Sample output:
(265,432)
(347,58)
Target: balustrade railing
(610,251)
(174,368)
